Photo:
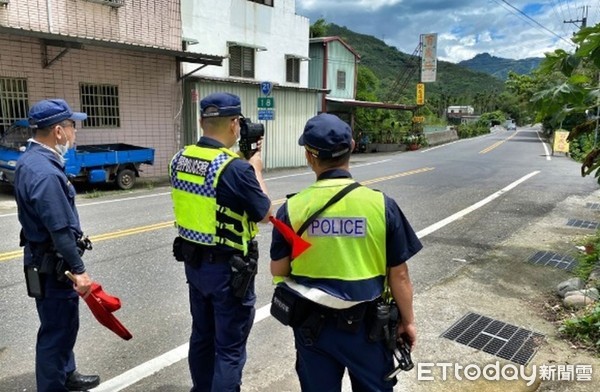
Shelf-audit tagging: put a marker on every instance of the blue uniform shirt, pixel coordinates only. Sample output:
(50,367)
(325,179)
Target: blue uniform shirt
(45,197)
(239,189)
(401,241)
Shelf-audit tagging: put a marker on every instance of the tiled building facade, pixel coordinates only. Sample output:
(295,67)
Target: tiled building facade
(115,58)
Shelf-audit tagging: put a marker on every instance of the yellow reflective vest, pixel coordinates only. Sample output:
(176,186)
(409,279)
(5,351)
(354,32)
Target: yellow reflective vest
(195,173)
(347,258)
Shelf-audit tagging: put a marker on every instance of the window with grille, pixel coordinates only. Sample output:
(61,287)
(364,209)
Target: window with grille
(292,70)
(241,61)
(14,104)
(265,2)
(112,3)
(341,80)
(101,103)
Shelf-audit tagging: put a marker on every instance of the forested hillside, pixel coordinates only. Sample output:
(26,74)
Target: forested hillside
(500,67)
(457,83)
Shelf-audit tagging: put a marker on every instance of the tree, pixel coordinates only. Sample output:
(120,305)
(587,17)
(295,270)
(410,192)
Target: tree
(318,29)
(576,92)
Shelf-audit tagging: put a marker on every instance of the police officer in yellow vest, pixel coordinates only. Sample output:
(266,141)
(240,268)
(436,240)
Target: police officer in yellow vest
(218,198)
(356,243)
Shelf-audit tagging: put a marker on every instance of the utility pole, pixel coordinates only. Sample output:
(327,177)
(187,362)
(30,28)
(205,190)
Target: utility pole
(583,19)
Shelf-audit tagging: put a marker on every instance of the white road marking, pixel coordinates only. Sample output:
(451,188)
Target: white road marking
(548,158)
(147,369)
(436,226)
(307,172)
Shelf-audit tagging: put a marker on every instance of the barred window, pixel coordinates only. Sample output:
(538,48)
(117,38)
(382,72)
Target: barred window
(101,103)
(341,80)
(265,2)
(14,104)
(292,70)
(241,61)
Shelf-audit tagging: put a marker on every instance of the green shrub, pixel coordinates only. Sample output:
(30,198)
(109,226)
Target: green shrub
(584,328)
(471,130)
(587,261)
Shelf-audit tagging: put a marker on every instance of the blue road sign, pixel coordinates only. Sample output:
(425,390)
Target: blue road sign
(266,88)
(266,114)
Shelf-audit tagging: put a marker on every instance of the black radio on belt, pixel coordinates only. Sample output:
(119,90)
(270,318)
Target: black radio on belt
(250,134)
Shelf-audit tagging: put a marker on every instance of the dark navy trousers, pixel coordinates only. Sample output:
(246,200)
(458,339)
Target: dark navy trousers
(320,363)
(59,324)
(221,324)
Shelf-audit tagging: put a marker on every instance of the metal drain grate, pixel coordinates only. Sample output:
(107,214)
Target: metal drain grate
(495,337)
(583,224)
(555,260)
(593,206)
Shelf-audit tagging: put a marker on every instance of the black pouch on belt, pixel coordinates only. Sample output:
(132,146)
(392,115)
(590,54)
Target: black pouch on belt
(350,319)
(35,282)
(288,307)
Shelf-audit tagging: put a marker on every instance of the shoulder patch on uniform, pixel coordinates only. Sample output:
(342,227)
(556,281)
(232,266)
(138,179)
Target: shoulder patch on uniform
(191,165)
(338,227)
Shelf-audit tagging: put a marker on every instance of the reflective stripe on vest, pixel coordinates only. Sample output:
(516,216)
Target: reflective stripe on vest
(195,173)
(347,258)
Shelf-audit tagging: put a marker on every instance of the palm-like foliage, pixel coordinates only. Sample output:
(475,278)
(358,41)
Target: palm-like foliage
(576,90)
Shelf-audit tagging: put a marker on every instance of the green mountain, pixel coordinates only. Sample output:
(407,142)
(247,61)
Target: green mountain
(499,67)
(455,84)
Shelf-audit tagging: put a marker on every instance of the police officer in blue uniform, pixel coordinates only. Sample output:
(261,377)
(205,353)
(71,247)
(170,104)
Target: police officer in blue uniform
(50,226)
(218,198)
(357,243)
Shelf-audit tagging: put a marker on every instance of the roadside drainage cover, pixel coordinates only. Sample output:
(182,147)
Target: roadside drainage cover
(593,206)
(583,224)
(495,337)
(555,260)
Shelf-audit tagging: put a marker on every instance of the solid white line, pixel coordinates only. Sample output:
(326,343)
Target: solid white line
(313,173)
(144,370)
(95,203)
(545,147)
(436,226)
(155,365)
(147,369)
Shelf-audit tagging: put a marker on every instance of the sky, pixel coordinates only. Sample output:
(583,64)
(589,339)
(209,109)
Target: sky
(465,28)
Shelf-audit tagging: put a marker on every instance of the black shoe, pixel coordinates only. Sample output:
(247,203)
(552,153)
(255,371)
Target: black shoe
(80,382)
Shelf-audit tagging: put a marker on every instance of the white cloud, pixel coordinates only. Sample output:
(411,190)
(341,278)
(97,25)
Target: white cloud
(372,5)
(465,27)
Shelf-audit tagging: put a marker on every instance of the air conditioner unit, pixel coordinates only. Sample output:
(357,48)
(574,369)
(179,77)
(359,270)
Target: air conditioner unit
(112,3)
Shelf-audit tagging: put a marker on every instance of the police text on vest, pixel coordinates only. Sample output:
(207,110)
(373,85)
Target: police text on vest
(192,166)
(338,227)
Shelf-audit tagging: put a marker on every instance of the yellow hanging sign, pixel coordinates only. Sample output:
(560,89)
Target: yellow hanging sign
(420,94)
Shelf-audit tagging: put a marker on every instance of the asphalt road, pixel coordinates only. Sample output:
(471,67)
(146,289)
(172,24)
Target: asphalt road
(462,198)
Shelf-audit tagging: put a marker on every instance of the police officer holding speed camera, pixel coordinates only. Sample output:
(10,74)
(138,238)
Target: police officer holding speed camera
(218,198)
(360,243)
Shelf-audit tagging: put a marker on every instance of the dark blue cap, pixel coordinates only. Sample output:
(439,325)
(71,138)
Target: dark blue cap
(223,104)
(326,136)
(52,111)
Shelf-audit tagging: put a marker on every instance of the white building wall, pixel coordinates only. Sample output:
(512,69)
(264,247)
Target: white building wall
(276,28)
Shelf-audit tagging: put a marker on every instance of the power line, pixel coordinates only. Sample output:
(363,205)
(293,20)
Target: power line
(536,22)
(562,25)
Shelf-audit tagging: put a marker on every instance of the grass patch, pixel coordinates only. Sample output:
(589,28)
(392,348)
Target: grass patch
(584,328)
(93,194)
(587,261)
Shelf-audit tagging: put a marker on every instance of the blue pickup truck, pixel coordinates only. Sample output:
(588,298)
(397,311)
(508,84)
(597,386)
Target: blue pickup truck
(97,163)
